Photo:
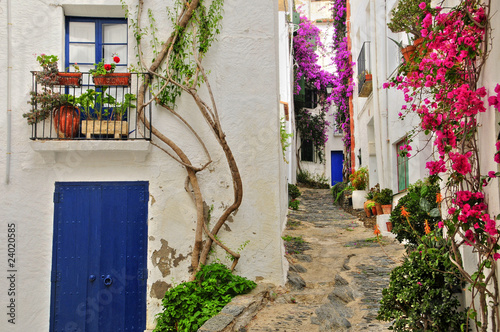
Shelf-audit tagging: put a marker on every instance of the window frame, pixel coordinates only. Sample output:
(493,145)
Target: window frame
(99,22)
(312,153)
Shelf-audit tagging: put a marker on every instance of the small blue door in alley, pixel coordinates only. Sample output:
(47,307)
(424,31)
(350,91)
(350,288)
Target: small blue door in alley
(337,162)
(99,257)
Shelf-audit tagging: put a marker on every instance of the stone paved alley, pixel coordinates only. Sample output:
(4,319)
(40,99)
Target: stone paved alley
(344,271)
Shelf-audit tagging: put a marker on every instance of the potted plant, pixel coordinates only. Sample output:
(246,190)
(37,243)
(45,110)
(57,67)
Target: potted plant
(104,74)
(359,181)
(370,208)
(70,78)
(103,114)
(49,103)
(67,117)
(50,75)
(384,198)
(406,17)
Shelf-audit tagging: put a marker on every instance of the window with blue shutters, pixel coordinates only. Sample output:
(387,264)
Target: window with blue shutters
(88,40)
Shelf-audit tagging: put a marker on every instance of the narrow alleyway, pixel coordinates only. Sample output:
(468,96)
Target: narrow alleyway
(342,265)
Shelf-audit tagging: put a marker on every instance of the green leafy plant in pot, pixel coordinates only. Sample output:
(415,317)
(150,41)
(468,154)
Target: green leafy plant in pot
(384,198)
(359,179)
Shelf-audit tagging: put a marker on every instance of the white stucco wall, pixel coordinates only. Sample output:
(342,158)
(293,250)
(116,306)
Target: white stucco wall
(243,68)
(378,127)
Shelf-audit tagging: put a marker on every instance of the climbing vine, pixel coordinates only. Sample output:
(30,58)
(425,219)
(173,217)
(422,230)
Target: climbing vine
(176,70)
(440,83)
(312,127)
(342,82)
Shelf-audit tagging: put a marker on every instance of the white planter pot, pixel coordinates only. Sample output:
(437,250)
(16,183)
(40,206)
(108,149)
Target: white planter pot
(358,199)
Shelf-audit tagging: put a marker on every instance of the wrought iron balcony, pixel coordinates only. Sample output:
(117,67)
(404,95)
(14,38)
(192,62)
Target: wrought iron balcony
(364,71)
(82,107)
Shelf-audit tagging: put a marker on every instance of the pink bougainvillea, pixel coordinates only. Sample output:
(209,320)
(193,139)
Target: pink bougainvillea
(441,86)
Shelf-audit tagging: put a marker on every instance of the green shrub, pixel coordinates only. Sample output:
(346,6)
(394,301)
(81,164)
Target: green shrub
(293,191)
(384,197)
(420,296)
(294,204)
(189,305)
(338,192)
(312,181)
(303,176)
(420,203)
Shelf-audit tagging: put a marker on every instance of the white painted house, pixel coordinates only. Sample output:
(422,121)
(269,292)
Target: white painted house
(378,131)
(116,210)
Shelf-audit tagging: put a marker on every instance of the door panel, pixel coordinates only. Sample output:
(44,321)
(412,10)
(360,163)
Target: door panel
(100,254)
(337,162)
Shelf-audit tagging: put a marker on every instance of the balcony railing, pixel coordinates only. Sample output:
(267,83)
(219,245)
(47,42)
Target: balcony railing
(80,109)
(364,71)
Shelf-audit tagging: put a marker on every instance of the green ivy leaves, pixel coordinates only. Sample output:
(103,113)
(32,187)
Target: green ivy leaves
(189,305)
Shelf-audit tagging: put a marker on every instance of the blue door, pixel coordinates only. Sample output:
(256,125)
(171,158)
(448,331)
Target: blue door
(337,163)
(99,257)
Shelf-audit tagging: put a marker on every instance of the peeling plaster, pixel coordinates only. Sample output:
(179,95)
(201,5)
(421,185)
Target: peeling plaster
(165,258)
(158,289)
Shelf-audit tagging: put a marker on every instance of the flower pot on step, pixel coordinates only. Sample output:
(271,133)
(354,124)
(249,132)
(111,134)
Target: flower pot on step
(386,209)
(358,199)
(389,226)
(374,210)
(378,206)
(367,209)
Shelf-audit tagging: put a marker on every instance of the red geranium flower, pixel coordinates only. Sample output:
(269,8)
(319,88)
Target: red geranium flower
(107,67)
(116,59)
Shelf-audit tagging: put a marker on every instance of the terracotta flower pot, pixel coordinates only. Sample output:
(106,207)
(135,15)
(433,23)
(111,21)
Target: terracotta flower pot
(121,79)
(67,121)
(74,79)
(389,226)
(379,208)
(367,209)
(408,53)
(386,209)
(374,210)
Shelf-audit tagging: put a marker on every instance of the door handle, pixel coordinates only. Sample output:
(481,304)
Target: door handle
(107,280)
(91,278)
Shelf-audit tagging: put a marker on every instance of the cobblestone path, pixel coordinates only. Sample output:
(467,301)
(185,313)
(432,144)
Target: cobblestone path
(343,268)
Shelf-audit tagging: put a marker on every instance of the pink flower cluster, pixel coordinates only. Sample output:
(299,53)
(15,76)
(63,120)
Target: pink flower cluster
(470,212)
(304,46)
(342,79)
(440,86)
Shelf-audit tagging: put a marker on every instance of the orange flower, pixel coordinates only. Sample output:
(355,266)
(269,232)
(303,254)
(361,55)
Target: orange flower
(376,230)
(439,198)
(427,227)
(404,213)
